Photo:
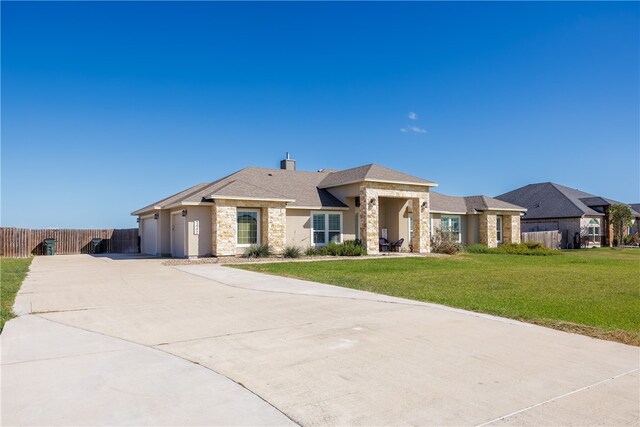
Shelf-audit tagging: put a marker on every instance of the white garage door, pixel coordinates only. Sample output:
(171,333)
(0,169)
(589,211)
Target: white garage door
(149,236)
(177,235)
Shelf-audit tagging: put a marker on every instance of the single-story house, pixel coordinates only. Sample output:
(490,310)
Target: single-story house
(285,206)
(581,217)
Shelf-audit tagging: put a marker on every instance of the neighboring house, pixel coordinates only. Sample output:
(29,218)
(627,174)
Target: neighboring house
(635,227)
(580,217)
(285,206)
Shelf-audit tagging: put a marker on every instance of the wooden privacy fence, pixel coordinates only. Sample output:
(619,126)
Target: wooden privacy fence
(551,239)
(24,242)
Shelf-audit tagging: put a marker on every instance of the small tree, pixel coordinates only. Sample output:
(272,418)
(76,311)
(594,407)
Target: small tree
(621,218)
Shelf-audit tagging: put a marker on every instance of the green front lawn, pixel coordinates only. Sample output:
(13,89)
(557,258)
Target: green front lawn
(12,273)
(595,292)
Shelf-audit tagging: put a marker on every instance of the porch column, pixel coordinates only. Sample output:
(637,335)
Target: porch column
(488,229)
(511,228)
(421,233)
(369,220)
(274,219)
(223,226)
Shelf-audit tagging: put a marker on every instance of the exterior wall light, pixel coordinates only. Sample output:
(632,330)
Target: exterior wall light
(156,216)
(373,201)
(184,212)
(425,205)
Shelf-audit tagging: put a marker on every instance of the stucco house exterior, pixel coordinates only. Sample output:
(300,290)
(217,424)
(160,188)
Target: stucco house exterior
(581,217)
(286,206)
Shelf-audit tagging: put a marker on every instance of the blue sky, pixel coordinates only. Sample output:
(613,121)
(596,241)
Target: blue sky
(107,107)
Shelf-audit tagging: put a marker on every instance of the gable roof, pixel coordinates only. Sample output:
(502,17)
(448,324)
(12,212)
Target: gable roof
(550,200)
(372,172)
(441,203)
(298,188)
(171,199)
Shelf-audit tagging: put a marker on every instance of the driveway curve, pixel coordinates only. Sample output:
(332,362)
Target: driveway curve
(321,355)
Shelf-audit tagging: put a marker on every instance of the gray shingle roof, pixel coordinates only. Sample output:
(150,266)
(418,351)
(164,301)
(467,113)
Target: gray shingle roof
(303,189)
(300,186)
(468,204)
(172,199)
(550,200)
(636,208)
(371,172)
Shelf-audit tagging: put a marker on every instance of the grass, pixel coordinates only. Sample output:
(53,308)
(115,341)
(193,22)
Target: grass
(594,292)
(12,273)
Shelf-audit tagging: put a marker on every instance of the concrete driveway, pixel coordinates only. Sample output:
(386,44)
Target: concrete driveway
(129,341)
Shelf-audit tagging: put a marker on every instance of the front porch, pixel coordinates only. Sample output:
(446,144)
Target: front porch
(394,212)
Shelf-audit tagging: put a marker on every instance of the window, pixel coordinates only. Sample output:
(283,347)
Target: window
(248,230)
(593,231)
(326,227)
(357,226)
(451,224)
(499,228)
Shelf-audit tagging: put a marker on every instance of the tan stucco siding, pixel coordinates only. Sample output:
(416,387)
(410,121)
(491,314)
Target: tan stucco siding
(473,230)
(299,227)
(165,232)
(198,245)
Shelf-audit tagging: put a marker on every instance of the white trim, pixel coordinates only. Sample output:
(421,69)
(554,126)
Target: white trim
(259,199)
(259,226)
(453,212)
(148,216)
(326,231)
(176,212)
(318,208)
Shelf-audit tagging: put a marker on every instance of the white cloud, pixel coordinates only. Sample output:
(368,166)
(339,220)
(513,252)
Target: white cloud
(413,129)
(413,116)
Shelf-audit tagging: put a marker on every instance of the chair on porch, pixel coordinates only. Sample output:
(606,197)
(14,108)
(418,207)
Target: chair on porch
(396,246)
(384,245)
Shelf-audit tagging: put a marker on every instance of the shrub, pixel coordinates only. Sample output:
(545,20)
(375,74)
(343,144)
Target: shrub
(526,248)
(632,240)
(312,251)
(257,251)
(352,248)
(348,248)
(444,242)
(448,247)
(479,249)
(292,252)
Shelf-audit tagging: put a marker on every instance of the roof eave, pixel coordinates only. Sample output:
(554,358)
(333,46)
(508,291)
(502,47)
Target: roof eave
(384,181)
(144,210)
(257,199)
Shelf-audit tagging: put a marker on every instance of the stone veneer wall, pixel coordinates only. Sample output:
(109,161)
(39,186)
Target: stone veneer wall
(370,213)
(223,229)
(488,229)
(511,228)
(224,216)
(276,227)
